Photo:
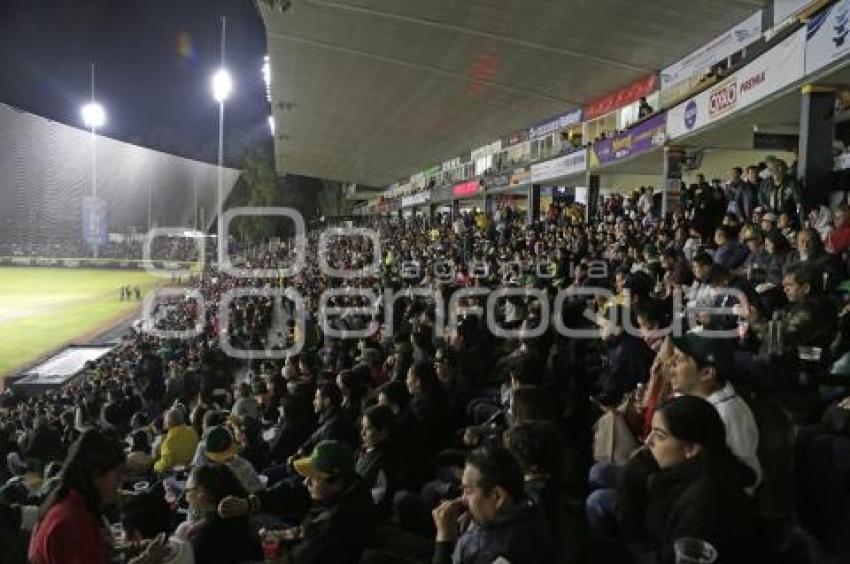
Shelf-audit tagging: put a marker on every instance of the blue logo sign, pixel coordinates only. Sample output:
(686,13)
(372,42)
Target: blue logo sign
(841,27)
(691,114)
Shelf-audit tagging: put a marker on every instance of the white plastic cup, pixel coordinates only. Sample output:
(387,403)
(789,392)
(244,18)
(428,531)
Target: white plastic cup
(694,551)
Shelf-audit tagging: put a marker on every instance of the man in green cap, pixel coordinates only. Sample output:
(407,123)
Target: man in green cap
(341,516)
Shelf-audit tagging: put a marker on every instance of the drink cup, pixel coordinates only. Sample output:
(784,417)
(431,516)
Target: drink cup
(694,551)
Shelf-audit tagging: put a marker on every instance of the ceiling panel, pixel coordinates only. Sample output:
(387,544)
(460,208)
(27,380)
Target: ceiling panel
(369,91)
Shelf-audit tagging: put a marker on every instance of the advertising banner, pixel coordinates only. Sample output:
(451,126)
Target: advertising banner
(496,181)
(622,97)
(94,221)
(828,36)
(516,138)
(464,189)
(641,138)
(721,47)
(520,176)
(771,72)
(432,171)
(561,122)
(572,163)
(416,199)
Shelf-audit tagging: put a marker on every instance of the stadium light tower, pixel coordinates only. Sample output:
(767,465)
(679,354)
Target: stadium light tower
(94,117)
(222,86)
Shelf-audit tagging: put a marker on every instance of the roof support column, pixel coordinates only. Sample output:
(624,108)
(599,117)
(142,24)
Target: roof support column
(533,203)
(817,133)
(673,157)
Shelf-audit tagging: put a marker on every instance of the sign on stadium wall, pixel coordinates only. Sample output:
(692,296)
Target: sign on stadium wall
(828,36)
(622,97)
(721,47)
(562,121)
(416,199)
(566,165)
(641,138)
(768,74)
(468,188)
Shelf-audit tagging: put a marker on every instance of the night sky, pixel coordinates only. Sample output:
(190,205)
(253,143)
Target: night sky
(153,63)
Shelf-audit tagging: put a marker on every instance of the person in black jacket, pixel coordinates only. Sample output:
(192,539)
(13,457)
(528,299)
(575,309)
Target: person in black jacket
(379,462)
(504,524)
(429,407)
(334,423)
(687,483)
(214,539)
(627,360)
(340,520)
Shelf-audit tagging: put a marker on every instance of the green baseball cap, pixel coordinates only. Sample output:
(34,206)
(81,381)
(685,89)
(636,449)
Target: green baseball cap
(329,458)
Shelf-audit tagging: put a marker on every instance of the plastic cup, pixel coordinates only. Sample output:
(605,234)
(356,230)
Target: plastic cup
(270,543)
(694,551)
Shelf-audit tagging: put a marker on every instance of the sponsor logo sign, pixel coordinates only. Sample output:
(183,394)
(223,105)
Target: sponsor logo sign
(643,137)
(773,71)
(828,36)
(722,46)
(622,97)
(468,188)
(572,163)
(563,121)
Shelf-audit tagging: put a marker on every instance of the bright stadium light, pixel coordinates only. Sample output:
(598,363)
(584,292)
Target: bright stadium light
(222,85)
(93,115)
(271,124)
(267,78)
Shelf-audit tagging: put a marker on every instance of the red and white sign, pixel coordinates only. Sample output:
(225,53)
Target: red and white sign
(723,97)
(468,188)
(622,97)
(770,73)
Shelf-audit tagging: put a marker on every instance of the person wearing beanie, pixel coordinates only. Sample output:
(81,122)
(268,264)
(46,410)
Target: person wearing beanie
(222,449)
(686,483)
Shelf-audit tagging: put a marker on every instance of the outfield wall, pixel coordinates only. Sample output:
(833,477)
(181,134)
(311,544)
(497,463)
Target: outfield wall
(107,263)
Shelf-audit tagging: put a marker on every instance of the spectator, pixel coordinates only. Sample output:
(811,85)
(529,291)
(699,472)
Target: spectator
(70,527)
(700,366)
(214,539)
(222,449)
(178,446)
(504,523)
(688,484)
(340,520)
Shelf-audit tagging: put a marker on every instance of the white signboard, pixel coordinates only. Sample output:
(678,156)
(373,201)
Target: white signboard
(713,52)
(561,122)
(416,199)
(828,36)
(771,72)
(573,163)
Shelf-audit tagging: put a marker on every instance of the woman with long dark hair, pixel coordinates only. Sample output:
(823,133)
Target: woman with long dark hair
(688,484)
(71,528)
(379,462)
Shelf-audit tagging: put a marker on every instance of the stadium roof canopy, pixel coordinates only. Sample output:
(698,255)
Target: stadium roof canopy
(369,91)
(46,170)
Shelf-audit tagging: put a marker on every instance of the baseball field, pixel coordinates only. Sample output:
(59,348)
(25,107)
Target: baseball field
(41,309)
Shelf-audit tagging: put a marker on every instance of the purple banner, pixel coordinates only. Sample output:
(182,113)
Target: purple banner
(643,137)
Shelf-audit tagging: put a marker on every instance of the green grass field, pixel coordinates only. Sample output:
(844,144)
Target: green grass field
(43,308)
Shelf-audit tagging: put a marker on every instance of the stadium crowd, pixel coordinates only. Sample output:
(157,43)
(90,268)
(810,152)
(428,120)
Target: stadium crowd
(162,248)
(413,444)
